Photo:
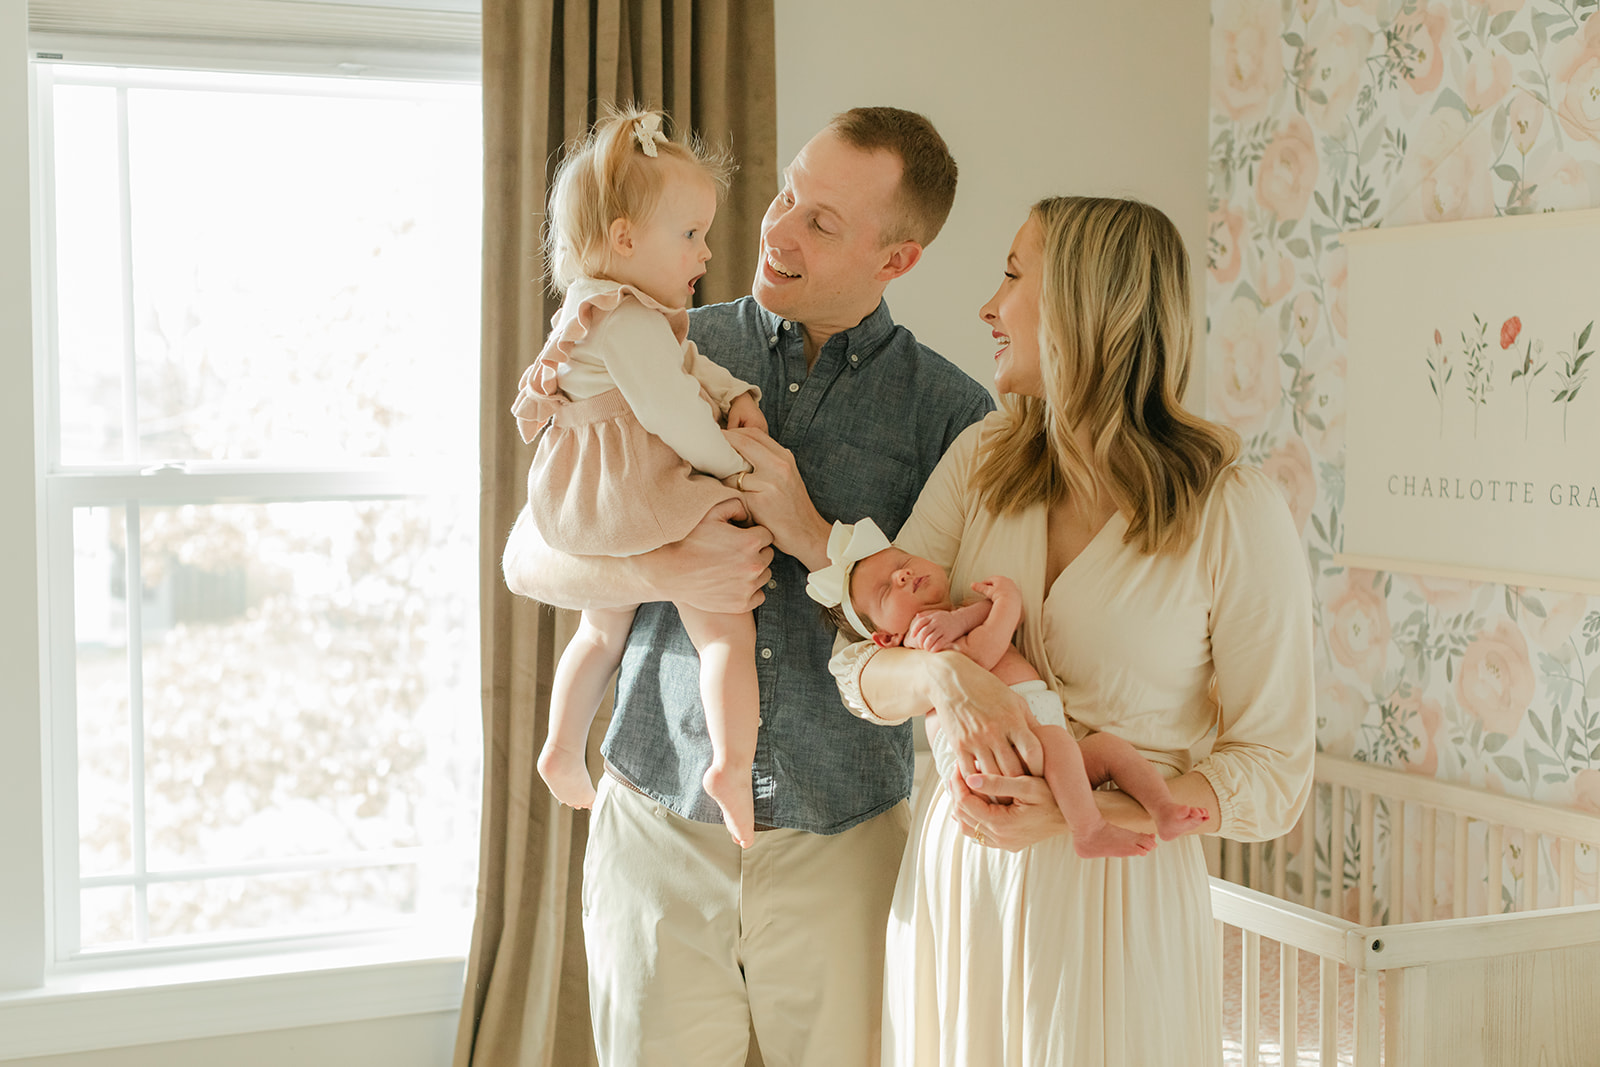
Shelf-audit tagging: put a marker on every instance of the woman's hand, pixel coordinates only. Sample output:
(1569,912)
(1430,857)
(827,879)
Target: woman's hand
(777,498)
(744,411)
(1013,813)
(988,724)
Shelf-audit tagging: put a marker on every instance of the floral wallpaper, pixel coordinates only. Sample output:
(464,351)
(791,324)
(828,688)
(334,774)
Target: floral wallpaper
(1336,115)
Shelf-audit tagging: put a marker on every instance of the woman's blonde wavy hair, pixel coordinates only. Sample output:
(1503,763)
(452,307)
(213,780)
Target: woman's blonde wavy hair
(1115,341)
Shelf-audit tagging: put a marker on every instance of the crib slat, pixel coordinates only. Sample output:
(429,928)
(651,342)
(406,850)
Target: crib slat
(1459,904)
(1250,995)
(1567,870)
(1308,851)
(1233,862)
(1328,1014)
(1220,953)
(1364,843)
(1280,868)
(1397,861)
(1494,868)
(1425,880)
(1336,856)
(1530,868)
(1288,1003)
(1367,1028)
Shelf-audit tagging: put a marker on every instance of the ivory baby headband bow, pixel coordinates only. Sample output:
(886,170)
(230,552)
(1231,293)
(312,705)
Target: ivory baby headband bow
(648,131)
(847,546)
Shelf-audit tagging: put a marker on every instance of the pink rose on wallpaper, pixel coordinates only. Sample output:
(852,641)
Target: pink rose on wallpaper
(1358,626)
(1341,51)
(1425,31)
(1224,254)
(1527,115)
(1341,709)
(1562,613)
(1563,182)
(1337,267)
(1426,718)
(1509,330)
(1290,466)
(1326,402)
(1288,170)
(1586,790)
(1576,63)
(1245,383)
(1246,65)
(1486,81)
(1304,315)
(1276,277)
(1494,682)
(1455,183)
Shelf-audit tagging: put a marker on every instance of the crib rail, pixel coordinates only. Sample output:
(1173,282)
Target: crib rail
(1387,878)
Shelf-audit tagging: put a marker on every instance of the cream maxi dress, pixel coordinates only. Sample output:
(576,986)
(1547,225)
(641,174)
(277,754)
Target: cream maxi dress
(1042,959)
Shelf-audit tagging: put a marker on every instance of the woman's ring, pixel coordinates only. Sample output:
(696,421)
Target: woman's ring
(738,483)
(981,842)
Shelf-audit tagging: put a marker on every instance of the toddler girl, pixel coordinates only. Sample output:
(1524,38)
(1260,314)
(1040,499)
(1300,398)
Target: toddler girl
(625,414)
(874,591)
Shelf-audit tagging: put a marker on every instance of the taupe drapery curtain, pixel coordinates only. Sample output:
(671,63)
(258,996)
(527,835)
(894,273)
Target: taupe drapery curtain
(547,66)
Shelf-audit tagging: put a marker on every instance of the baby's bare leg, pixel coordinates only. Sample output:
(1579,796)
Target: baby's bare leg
(1106,756)
(585,669)
(727,647)
(1065,774)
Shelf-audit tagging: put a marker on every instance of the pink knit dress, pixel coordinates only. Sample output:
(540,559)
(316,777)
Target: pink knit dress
(600,483)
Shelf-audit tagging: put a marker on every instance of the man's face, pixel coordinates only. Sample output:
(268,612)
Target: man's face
(824,261)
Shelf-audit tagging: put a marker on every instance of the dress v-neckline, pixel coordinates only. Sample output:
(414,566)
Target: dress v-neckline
(1099,535)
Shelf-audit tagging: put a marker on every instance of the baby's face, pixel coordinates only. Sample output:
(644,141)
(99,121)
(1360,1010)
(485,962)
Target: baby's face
(892,587)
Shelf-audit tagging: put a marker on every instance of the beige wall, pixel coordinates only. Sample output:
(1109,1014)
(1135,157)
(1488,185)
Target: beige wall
(1036,97)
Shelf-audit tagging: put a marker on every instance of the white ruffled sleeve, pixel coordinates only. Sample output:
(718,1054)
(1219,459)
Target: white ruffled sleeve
(1261,647)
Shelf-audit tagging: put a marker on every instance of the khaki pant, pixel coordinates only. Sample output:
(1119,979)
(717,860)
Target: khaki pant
(693,942)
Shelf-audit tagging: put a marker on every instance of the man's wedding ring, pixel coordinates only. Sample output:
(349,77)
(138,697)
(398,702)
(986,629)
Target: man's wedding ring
(738,483)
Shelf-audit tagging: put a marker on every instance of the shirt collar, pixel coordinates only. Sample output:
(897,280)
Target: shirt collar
(863,340)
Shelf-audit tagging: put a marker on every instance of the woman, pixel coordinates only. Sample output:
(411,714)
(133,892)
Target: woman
(1166,595)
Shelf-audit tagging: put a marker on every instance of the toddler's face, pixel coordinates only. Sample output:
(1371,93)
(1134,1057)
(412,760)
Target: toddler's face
(666,253)
(892,587)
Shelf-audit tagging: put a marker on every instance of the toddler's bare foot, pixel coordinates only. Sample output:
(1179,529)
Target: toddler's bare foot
(563,770)
(1175,820)
(733,793)
(1109,840)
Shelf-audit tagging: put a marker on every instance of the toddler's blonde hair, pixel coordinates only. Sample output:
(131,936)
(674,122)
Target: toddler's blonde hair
(607,176)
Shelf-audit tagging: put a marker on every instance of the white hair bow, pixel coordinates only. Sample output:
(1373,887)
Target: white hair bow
(847,546)
(648,131)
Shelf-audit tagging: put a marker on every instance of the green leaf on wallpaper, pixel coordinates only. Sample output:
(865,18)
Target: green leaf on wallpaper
(1594,753)
(1449,98)
(1298,248)
(1510,768)
(1538,728)
(1535,608)
(1286,227)
(1507,173)
(1317,96)
(1294,40)
(1291,359)
(1516,43)
(1591,688)
(1563,33)
(1494,742)
(1501,21)
(1511,605)
(1497,132)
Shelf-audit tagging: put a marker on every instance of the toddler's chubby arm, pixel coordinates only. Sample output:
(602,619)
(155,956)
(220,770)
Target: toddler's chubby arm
(982,629)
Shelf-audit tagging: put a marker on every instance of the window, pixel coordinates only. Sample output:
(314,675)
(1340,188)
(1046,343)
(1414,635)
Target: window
(259,298)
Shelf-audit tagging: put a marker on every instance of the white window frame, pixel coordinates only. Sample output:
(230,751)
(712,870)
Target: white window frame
(154,994)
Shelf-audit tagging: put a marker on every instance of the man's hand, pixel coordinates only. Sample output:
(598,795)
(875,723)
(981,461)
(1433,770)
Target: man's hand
(719,567)
(745,412)
(778,500)
(988,724)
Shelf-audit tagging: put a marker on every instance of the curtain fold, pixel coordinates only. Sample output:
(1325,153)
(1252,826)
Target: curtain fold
(548,65)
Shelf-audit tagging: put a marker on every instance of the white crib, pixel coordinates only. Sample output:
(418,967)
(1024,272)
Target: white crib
(1438,959)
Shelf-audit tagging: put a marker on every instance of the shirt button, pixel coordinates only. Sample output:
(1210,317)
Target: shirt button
(854,358)
(784,325)
(760,721)
(794,387)
(766,653)
(772,583)
(772,340)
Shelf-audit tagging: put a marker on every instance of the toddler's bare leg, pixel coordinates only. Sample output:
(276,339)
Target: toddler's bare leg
(1064,773)
(585,669)
(727,647)
(1106,756)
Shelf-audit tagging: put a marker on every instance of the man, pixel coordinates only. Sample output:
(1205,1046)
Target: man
(692,942)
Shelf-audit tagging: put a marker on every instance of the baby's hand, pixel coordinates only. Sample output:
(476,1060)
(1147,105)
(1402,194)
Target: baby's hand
(744,411)
(934,631)
(997,588)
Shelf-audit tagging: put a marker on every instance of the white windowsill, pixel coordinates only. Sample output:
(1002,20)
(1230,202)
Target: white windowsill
(180,1001)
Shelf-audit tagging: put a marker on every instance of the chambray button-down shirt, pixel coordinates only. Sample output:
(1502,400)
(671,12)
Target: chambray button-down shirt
(867,426)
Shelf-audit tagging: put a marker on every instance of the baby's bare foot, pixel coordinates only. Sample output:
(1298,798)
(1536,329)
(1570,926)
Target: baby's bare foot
(732,791)
(1108,840)
(563,770)
(1175,820)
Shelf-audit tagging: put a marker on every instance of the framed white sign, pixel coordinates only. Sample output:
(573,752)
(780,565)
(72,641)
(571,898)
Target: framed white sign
(1474,432)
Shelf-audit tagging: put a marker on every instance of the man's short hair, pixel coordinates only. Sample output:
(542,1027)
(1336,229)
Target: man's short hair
(928,172)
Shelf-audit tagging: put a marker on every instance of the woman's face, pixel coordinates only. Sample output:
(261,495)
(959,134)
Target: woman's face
(1013,314)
